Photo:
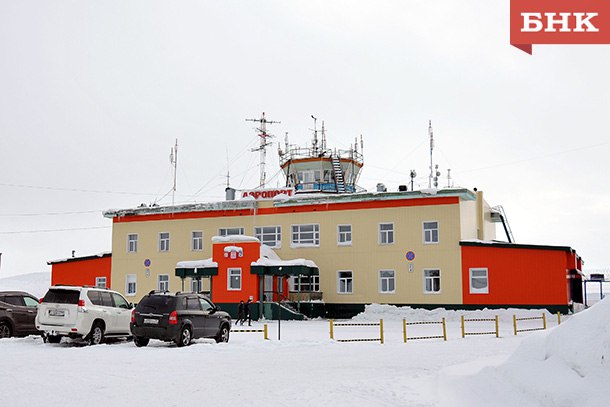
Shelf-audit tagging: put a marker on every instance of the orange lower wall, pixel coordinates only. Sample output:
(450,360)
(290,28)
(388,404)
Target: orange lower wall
(517,276)
(81,272)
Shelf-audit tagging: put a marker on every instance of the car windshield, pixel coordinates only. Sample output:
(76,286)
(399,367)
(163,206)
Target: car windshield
(62,296)
(157,303)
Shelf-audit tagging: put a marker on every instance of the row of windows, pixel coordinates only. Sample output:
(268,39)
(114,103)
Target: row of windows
(478,277)
(307,235)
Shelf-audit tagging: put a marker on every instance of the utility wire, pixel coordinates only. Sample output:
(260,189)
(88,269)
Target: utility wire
(52,230)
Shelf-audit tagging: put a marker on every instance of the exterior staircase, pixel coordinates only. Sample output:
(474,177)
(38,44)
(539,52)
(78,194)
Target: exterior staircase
(339,180)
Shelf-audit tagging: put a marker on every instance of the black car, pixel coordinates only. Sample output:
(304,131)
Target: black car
(17,314)
(178,318)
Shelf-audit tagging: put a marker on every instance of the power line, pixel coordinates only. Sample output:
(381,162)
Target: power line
(52,230)
(75,189)
(49,213)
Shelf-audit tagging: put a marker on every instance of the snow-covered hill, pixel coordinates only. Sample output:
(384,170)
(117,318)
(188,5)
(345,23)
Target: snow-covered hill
(33,283)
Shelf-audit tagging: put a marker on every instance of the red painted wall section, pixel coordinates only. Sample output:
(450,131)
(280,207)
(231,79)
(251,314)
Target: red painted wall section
(81,272)
(518,276)
(249,282)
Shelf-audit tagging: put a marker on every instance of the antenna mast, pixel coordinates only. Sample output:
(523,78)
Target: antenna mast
(264,143)
(431,148)
(315,135)
(173,158)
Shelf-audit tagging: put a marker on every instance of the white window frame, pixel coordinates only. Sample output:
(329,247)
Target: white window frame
(428,234)
(348,282)
(225,231)
(99,280)
(131,279)
(260,234)
(387,233)
(234,272)
(387,280)
(299,243)
(163,285)
(132,248)
(196,242)
(164,242)
(298,283)
(474,290)
(345,235)
(427,278)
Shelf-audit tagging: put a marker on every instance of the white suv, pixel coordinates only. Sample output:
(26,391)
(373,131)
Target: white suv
(86,313)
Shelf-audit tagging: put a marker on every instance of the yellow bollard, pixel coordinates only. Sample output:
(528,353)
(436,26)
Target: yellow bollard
(497,328)
(332,335)
(463,330)
(381,331)
(543,320)
(444,330)
(515,323)
(265,332)
(558,318)
(404,330)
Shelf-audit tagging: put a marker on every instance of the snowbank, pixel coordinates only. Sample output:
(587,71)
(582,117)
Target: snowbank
(569,366)
(33,283)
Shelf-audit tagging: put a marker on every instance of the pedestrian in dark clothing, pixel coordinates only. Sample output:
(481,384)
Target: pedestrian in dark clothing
(240,313)
(247,312)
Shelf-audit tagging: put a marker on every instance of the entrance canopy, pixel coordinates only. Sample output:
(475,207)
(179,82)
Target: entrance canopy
(196,268)
(277,267)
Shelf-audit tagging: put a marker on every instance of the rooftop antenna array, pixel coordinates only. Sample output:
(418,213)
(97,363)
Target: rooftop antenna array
(314,142)
(264,143)
(173,159)
(434,173)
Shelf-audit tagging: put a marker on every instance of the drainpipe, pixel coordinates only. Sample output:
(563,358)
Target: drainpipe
(480,215)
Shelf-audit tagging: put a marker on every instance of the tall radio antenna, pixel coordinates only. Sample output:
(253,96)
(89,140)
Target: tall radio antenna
(173,158)
(431,148)
(264,143)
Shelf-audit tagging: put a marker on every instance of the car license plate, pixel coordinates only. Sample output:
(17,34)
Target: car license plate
(151,321)
(57,313)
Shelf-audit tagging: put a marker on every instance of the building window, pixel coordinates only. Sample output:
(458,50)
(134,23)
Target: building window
(269,235)
(479,281)
(230,231)
(344,235)
(386,233)
(306,235)
(100,282)
(164,242)
(197,241)
(387,283)
(345,282)
(234,279)
(196,285)
(432,281)
(304,284)
(132,243)
(163,282)
(130,284)
(430,232)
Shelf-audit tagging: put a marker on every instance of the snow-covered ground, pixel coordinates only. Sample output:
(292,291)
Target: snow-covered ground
(567,365)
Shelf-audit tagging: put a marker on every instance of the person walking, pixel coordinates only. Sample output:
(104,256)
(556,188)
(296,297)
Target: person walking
(247,312)
(240,313)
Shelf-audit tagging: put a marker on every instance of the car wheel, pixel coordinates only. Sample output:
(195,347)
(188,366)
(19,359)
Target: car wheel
(52,338)
(140,342)
(5,330)
(223,334)
(96,336)
(184,339)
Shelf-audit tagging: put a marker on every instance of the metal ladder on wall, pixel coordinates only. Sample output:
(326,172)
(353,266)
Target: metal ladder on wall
(504,218)
(339,180)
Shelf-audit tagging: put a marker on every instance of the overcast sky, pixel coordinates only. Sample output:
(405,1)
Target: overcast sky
(93,95)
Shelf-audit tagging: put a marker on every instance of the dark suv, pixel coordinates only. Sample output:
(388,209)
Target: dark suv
(17,314)
(179,317)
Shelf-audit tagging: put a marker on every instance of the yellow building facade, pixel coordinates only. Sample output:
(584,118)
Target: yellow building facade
(397,248)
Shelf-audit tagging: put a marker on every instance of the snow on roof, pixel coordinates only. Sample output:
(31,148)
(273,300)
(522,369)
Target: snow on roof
(234,239)
(89,257)
(196,264)
(264,261)
(269,253)
(237,249)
